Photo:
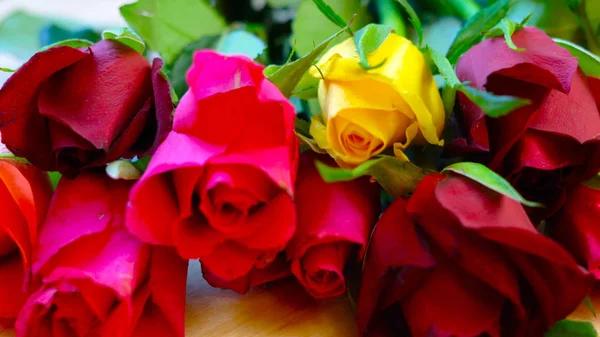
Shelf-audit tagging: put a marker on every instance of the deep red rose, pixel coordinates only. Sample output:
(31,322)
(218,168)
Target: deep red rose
(24,197)
(67,109)
(220,187)
(334,222)
(546,146)
(461,260)
(96,279)
(577,226)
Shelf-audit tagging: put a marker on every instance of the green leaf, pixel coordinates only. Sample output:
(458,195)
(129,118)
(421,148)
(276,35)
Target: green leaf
(398,177)
(445,68)
(474,29)
(330,13)
(73,43)
(19,34)
(303,134)
(168,26)
(310,26)
(490,179)
(508,28)
(413,18)
(588,62)
(7,70)
(287,77)
(184,61)
(54,33)
(141,163)
(493,105)
(588,304)
(594,182)
(368,39)
(240,42)
(567,328)
(125,36)
(54,178)
(12,157)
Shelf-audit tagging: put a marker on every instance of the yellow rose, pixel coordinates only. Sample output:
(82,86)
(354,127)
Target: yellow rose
(366,111)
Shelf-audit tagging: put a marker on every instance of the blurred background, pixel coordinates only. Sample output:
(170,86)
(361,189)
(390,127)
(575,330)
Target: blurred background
(271,28)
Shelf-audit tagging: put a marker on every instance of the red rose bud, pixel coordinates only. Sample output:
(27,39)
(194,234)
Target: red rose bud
(274,271)
(96,279)
(545,146)
(577,226)
(461,260)
(334,221)
(220,186)
(24,197)
(67,109)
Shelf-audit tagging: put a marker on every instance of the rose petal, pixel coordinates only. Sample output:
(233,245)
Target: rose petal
(19,116)
(12,288)
(101,93)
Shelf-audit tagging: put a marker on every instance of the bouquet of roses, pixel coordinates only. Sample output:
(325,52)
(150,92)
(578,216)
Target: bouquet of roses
(450,192)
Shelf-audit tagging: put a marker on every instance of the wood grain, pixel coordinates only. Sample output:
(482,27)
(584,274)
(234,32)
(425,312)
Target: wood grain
(283,310)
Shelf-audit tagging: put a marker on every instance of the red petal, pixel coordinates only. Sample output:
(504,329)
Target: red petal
(101,93)
(432,309)
(542,62)
(276,270)
(12,288)
(574,115)
(321,269)
(394,244)
(19,115)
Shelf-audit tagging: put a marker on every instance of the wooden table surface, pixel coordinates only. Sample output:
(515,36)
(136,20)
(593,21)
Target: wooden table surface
(282,310)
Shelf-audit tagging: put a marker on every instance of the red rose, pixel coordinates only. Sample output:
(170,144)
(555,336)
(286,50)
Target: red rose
(96,279)
(24,197)
(577,226)
(67,109)
(460,260)
(543,147)
(276,270)
(334,221)
(220,187)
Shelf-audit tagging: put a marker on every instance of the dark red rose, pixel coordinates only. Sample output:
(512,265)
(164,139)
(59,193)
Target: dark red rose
(546,146)
(334,222)
(577,226)
(220,187)
(67,109)
(93,278)
(24,198)
(461,260)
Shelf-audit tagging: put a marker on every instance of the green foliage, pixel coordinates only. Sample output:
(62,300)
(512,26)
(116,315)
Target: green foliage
(125,36)
(54,178)
(330,13)
(490,179)
(170,25)
(73,43)
(414,19)
(494,105)
(287,77)
(567,328)
(507,28)
(7,70)
(368,40)
(588,62)
(475,28)
(310,26)
(398,177)
(594,182)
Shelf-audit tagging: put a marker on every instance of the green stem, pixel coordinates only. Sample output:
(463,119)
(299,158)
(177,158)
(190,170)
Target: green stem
(465,9)
(390,15)
(590,33)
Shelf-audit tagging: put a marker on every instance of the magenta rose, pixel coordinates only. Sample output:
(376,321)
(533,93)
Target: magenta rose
(67,109)
(220,188)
